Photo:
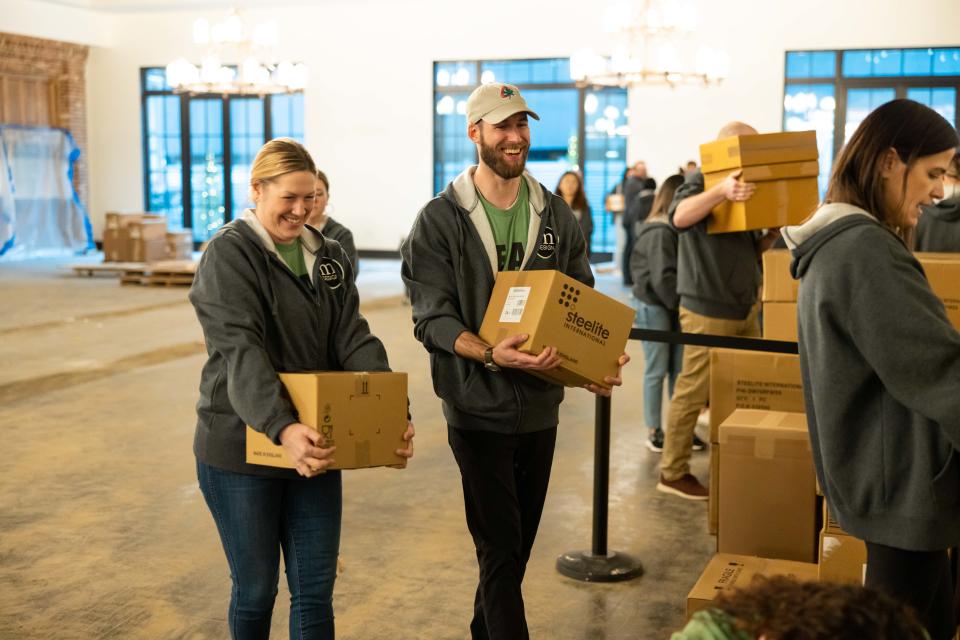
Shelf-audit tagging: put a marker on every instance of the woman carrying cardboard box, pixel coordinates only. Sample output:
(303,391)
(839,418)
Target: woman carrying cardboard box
(880,360)
(273,295)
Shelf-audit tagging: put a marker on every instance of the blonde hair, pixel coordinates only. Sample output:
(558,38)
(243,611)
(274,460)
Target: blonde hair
(279,157)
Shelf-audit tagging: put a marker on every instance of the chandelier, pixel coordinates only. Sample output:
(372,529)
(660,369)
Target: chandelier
(654,44)
(256,71)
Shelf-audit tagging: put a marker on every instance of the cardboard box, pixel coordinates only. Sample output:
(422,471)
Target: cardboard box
(767,491)
(589,329)
(732,153)
(119,246)
(713,505)
(114,247)
(731,571)
(363,413)
(843,558)
(179,245)
(775,203)
(780,321)
(778,284)
(147,241)
(752,380)
(943,274)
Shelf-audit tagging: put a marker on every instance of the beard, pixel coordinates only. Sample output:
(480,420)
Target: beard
(498,164)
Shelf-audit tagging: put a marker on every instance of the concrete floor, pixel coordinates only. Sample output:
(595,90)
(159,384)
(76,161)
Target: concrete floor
(104,533)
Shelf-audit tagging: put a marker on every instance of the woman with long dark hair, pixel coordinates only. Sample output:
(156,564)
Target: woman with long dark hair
(570,188)
(880,360)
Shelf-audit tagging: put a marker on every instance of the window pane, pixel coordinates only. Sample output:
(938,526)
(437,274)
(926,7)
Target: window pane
(164,165)
(943,100)
(156,80)
(946,62)
(549,71)
(286,112)
(206,166)
(246,138)
(798,64)
(918,62)
(857,64)
(605,158)
(860,102)
(812,107)
(455,74)
(823,64)
(452,150)
(887,62)
(553,139)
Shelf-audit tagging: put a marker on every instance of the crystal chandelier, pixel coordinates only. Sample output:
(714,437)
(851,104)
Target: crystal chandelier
(654,44)
(257,72)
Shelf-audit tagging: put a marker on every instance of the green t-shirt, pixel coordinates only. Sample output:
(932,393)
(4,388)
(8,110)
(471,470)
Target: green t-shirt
(510,227)
(292,255)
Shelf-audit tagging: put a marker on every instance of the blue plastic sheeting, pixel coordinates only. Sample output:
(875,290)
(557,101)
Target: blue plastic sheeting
(40,211)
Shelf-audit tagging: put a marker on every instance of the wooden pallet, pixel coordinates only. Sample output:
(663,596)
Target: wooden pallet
(104,268)
(166,273)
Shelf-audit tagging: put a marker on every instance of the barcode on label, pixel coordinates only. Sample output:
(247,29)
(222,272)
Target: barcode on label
(514,304)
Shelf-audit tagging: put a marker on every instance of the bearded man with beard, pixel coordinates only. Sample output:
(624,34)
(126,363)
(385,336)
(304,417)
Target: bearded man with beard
(501,421)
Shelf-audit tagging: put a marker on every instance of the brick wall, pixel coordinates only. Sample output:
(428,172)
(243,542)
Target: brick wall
(62,66)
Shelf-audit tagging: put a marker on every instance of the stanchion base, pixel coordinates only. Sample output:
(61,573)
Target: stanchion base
(586,567)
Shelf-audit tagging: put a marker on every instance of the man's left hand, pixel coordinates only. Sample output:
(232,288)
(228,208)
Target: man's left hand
(610,380)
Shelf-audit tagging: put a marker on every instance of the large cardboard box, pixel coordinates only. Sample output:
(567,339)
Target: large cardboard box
(731,571)
(943,273)
(118,246)
(364,414)
(147,240)
(782,165)
(713,504)
(843,558)
(179,245)
(732,153)
(767,494)
(778,284)
(780,321)
(589,329)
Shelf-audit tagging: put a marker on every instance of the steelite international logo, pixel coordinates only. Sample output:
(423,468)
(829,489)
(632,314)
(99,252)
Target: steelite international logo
(569,296)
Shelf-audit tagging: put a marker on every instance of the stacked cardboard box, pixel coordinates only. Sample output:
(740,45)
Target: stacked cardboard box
(943,273)
(363,414)
(782,165)
(123,243)
(590,330)
(779,296)
(747,380)
(147,240)
(179,245)
(843,558)
(767,491)
(730,571)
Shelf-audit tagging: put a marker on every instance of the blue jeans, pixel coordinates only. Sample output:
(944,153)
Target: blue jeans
(256,518)
(660,359)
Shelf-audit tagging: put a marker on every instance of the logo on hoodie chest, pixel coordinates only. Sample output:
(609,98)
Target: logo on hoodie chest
(547,247)
(331,273)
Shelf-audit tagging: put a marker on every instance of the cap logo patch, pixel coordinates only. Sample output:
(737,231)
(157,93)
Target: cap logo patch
(507,92)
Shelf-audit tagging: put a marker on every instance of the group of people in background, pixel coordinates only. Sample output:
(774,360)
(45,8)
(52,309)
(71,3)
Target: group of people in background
(275,292)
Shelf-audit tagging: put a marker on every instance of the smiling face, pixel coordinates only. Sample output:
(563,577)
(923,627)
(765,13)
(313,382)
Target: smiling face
(568,187)
(923,183)
(503,146)
(284,203)
(321,197)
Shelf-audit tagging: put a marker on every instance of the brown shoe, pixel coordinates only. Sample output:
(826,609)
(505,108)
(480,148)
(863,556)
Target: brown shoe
(686,486)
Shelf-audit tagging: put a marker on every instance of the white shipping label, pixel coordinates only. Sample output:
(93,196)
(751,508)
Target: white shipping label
(514,304)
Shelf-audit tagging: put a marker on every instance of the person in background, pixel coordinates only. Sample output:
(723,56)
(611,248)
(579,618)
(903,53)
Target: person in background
(570,188)
(329,227)
(273,295)
(653,265)
(638,205)
(939,226)
(718,278)
(782,608)
(880,361)
(691,167)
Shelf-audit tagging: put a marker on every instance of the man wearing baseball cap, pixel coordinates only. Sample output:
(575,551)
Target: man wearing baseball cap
(501,421)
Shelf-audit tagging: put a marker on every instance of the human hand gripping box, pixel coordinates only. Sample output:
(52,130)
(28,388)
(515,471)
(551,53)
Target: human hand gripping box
(363,414)
(589,329)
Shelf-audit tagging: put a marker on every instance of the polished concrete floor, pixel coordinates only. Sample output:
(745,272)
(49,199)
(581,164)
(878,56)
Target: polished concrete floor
(104,534)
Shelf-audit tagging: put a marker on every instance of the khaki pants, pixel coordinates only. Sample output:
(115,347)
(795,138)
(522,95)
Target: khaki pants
(692,391)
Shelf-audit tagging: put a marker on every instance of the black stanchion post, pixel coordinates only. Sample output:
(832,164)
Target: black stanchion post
(598,564)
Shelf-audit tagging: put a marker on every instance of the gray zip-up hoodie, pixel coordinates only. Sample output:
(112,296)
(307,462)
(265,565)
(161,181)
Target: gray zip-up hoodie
(449,265)
(336,231)
(653,265)
(259,319)
(881,379)
(717,274)
(939,227)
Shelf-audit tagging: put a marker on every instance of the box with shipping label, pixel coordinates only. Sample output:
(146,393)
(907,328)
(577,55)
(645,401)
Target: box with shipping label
(179,245)
(363,414)
(780,321)
(778,284)
(732,571)
(752,380)
(768,502)
(843,558)
(943,274)
(778,201)
(590,330)
(735,152)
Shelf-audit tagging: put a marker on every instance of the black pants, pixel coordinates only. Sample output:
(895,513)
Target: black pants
(921,579)
(505,480)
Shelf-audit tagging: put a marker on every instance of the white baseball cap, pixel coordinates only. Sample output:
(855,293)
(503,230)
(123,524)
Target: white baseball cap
(496,102)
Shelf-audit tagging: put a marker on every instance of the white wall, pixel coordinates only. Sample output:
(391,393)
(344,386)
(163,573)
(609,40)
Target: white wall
(55,22)
(369,104)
